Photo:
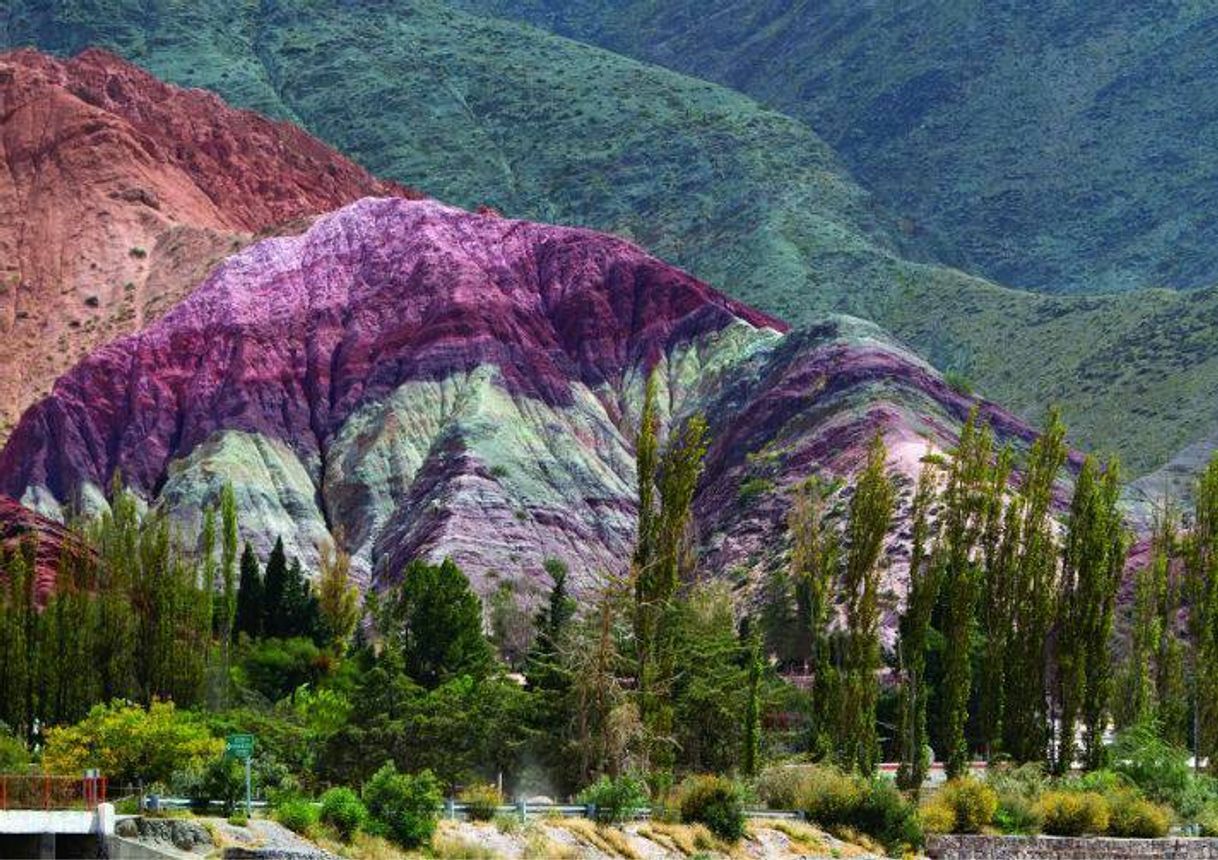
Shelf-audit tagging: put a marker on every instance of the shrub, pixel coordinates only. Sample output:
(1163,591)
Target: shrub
(223,780)
(780,787)
(1135,817)
(833,799)
(482,801)
(342,809)
(403,807)
(828,796)
(714,801)
(13,755)
(886,815)
(239,819)
(1018,789)
(1207,820)
(937,817)
(616,800)
(1073,813)
(973,803)
(1160,769)
(296,815)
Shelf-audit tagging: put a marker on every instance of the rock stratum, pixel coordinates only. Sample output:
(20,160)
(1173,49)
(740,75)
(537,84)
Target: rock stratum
(119,192)
(415,380)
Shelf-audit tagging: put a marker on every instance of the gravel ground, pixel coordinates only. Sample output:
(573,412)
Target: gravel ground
(266,840)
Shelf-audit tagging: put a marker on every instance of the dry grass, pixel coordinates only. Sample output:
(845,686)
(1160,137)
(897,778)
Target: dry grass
(450,844)
(538,844)
(857,843)
(363,847)
(805,839)
(607,839)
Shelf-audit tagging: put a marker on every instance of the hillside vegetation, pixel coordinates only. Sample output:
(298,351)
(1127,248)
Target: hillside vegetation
(1058,146)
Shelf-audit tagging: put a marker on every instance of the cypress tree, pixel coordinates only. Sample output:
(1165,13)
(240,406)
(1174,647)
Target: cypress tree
(249,596)
(274,588)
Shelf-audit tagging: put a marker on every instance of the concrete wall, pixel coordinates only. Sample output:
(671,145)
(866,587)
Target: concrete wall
(1068,848)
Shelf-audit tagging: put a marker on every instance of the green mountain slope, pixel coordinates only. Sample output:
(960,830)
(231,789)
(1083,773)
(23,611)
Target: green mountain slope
(478,110)
(1060,146)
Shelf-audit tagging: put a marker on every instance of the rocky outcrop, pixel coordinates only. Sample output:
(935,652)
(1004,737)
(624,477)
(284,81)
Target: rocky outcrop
(118,193)
(23,531)
(423,381)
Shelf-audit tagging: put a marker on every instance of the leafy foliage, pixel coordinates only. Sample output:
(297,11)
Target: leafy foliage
(129,744)
(617,799)
(342,809)
(714,801)
(401,806)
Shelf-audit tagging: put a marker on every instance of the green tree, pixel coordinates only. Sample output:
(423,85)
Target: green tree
(1201,563)
(1092,562)
(434,619)
(965,508)
(871,510)
(815,554)
(249,596)
(337,596)
(274,589)
(1026,719)
(662,553)
(129,743)
(914,628)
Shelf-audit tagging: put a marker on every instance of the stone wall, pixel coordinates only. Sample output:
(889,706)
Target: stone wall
(1068,848)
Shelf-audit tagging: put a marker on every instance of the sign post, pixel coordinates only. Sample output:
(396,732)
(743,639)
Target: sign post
(242,747)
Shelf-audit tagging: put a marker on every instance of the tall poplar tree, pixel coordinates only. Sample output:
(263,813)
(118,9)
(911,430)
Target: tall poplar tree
(1026,719)
(965,508)
(1201,560)
(871,511)
(914,628)
(815,555)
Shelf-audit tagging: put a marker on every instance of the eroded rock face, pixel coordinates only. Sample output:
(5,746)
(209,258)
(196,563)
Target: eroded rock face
(420,381)
(427,379)
(118,193)
(22,530)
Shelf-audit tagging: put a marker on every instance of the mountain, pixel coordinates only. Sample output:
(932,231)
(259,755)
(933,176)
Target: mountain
(22,529)
(478,110)
(415,380)
(1056,146)
(119,192)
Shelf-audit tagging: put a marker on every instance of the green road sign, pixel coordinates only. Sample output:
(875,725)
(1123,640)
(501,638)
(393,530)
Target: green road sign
(239,746)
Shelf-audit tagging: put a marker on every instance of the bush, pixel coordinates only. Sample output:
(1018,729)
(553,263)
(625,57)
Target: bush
(13,755)
(833,799)
(829,797)
(616,800)
(886,815)
(481,801)
(714,801)
(402,807)
(1018,789)
(239,819)
(1073,813)
(780,787)
(937,817)
(1135,817)
(973,803)
(296,815)
(1207,820)
(1160,769)
(342,809)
